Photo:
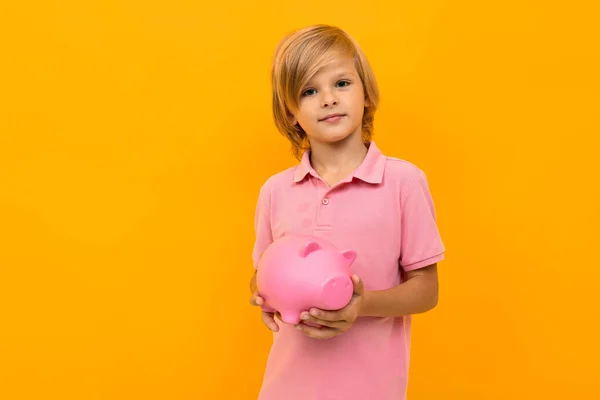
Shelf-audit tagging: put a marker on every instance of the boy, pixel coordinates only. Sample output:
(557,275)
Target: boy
(346,191)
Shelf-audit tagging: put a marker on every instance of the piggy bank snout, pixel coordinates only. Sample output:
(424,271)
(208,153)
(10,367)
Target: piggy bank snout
(336,292)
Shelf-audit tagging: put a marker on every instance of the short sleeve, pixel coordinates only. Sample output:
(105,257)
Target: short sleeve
(262,226)
(421,244)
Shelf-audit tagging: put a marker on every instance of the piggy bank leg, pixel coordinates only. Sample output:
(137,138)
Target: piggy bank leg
(336,293)
(290,317)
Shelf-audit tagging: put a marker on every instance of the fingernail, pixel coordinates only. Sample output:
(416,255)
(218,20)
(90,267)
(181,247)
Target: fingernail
(304,316)
(314,312)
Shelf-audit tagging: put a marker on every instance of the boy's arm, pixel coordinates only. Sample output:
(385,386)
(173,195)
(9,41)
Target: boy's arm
(417,294)
(420,241)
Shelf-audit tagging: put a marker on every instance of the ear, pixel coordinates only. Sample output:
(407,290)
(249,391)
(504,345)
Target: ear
(291,119)
(309,248)
(349,255)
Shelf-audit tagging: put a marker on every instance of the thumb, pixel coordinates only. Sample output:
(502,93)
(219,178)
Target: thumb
(256,300)
(358,285)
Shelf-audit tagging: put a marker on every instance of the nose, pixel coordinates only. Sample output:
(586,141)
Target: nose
(329,100)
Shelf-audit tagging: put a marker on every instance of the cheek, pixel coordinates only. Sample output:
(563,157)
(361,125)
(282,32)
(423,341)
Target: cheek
(305,116)
(359,98)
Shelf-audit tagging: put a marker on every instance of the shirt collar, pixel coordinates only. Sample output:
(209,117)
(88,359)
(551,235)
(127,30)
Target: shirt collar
(370,170)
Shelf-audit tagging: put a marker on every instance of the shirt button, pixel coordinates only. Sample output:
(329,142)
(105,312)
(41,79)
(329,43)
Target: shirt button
(325,201)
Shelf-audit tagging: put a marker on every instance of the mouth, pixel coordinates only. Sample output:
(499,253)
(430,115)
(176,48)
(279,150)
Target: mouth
(332,118)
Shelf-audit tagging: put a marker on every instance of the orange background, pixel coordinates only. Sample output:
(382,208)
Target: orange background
(134,137)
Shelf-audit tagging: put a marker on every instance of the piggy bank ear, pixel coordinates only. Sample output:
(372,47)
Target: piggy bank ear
(309,248)
(349,255)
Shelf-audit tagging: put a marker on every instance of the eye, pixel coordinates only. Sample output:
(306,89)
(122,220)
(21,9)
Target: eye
(343,83)
(308,92)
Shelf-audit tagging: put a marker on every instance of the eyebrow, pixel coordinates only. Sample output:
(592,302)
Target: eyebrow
(342,74)
(338,76)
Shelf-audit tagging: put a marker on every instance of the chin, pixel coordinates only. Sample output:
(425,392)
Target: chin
(332,138)
(334,134)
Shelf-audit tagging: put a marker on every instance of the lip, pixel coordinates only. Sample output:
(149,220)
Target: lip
(332,118)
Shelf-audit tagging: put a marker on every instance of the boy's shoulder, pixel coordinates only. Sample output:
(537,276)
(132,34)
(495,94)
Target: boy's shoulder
(280,179)
(402,170)
(398,164)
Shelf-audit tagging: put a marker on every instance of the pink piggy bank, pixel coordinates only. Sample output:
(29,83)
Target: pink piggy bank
(296,273)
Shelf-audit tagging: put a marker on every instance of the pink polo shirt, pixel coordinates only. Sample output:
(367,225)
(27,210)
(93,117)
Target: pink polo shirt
(383,211)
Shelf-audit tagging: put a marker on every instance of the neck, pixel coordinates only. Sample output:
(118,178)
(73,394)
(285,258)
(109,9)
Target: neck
(339,158)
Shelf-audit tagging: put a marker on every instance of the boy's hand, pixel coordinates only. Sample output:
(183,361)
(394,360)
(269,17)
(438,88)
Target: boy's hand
(333,323)
(268,318)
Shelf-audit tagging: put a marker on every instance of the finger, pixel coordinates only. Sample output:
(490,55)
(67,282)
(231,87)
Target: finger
(317,333)
(329,316)
(331,324)
(359,287)
(256,300)
(269,321)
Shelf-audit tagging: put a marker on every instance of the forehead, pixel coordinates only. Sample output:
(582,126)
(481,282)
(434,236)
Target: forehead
(336,65)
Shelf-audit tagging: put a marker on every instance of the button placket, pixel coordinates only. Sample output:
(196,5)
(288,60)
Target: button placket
(324,214)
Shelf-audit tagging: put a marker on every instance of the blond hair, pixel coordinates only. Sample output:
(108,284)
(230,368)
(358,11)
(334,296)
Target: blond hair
(297,58)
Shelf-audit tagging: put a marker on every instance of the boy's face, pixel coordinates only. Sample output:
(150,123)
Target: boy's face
(332,103)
